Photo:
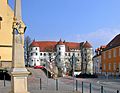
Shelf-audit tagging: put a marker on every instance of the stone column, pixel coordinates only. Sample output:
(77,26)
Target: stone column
(18,73)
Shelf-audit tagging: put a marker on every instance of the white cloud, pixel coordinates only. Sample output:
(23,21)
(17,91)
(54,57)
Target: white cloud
(99,37)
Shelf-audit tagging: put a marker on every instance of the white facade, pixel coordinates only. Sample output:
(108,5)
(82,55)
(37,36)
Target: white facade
(97,64)
(62,57)
(34,56)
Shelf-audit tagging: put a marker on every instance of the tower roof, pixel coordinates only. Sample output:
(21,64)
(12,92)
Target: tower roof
(87,45)
(60,42)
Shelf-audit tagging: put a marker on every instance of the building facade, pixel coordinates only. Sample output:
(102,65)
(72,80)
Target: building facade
(97,64)
(62,52)
(6,23)
(111,57)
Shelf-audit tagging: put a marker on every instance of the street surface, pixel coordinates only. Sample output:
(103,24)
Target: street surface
(65,84)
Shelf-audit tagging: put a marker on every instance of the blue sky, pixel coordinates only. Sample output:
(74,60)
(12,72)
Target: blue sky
(96,21)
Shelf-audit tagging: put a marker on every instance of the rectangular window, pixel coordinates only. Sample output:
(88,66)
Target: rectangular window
(69,54)
(65,54)
(109,66)
(59,53)
(114,66)
(109,54)
(104,55)
(114,53)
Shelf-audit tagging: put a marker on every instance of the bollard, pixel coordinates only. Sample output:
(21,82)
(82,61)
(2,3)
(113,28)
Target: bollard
(101,89)
(4,80)
(57,84)
(117,91)
(90,87)
(40,84)
(82,86)
(76,85)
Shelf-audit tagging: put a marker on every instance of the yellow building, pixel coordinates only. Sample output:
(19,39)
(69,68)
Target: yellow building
(6,21)
(111,57)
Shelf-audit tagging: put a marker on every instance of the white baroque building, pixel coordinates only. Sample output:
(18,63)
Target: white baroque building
(61,52)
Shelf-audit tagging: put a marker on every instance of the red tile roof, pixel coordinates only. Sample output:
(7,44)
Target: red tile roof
(50,46)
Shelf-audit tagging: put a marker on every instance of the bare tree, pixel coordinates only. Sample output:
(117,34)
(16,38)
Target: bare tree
(26,49)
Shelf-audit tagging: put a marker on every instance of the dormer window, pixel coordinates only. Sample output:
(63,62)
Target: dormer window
(0,21)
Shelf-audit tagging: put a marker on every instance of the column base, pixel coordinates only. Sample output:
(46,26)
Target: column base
(19,80)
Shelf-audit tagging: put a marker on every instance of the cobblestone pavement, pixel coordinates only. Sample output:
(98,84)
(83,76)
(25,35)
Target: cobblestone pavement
(48,84)
(65,84)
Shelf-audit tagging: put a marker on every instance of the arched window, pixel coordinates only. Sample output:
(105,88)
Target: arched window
(0,21)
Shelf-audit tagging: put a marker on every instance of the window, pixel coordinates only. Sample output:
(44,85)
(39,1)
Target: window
(44,54)
(59,48)
(74,54)
(109,54)
(32,60)
(41,59)
(78,54)
(36,54)
(35,48)
(49,54)
(31,48)
(69,54)
(114,53)
(104,55)
(0,21)
(37,60)
(114,66)
(31,54)
(59,53)
(54,53)
(109,66)
(59,59)
(104,66)
(65,54)
(41,54)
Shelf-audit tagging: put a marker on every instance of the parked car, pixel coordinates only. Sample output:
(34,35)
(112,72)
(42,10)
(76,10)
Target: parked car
(38,67)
